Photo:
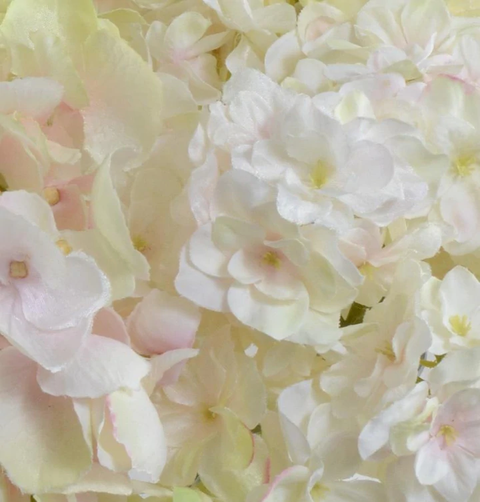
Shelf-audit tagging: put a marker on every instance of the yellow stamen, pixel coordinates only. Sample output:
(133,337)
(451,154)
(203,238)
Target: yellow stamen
(139,243)
(367,270)
(271,259)
(449,433)
(319,176)
(64,246)
(460,325)
(51,195)
(319,492)
(18,270)
(387,351)
(210,415)
(465,165)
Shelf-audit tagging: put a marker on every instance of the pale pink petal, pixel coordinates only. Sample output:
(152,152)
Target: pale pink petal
(161,322)
(83,291)
(109,324)
(41,442)
(431,463)
(52,349)
(70,211)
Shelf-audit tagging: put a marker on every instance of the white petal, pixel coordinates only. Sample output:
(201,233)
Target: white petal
(205,291)
(52,349)
(245,267)
(101,366)
(204,255)
(421,20)
(461,478)
(239,192)
(32,207)
(110,221)
(32,97)
(431,463)
(84,291)
(277,18)
(185,30)
(460,293)
(278,319)
(282,56)
(138,428)
(457,366)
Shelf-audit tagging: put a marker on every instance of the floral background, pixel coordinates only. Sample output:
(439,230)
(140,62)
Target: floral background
(239,251)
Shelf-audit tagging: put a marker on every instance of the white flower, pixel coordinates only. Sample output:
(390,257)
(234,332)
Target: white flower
(383,355)
(332,171)
(408,36)
(322,451)
(218,397)
(452,310)
(251,262)
(454,136)
(183,49)
(364,244)
(245,123)
(48,299)
(443,438)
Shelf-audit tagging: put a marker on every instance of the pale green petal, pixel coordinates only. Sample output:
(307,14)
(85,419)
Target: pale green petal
(125,100)
(45,39)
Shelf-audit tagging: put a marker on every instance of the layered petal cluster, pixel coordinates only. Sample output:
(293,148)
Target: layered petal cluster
(240,251)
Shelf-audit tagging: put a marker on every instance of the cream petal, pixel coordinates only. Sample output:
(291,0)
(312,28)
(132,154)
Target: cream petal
(44,426)
(278,319)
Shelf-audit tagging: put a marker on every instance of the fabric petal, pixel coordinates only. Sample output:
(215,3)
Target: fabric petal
(138,428)
(161,322)
(43,426)
(101,366)
(277,319)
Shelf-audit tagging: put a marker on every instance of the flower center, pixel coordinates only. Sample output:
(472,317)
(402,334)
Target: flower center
(465,165)
(460,324)
(139,243)
(448,433)
(18,270)
(64,246)
(319,175)
(271,259)
(367,270)
(387,351)
(210,415)
(319,492)
(51,195)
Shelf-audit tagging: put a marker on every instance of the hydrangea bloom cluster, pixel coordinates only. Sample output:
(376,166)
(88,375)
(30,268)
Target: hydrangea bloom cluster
(240,251)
